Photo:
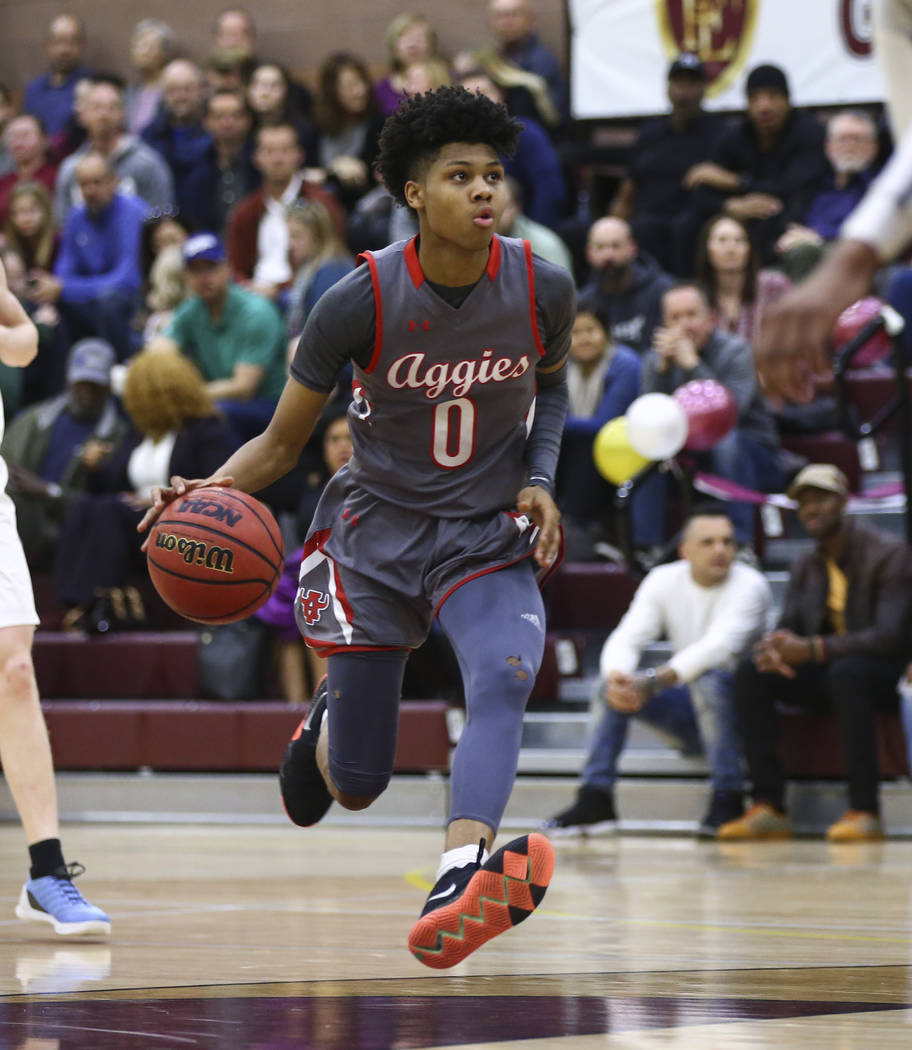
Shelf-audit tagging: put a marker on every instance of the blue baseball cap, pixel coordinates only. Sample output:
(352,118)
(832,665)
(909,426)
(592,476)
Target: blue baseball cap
(204,246)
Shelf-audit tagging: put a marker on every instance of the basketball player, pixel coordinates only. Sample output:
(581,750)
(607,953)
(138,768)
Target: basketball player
(444,508)
(48,895)
(793,336)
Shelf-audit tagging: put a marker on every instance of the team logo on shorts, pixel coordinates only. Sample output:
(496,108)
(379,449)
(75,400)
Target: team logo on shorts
(312,605)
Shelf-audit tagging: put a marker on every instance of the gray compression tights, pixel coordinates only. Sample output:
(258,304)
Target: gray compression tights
(496,625)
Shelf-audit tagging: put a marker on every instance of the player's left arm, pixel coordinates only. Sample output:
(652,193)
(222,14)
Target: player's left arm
(555,312)
(18,336)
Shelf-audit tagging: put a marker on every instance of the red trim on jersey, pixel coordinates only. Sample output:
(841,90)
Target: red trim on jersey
(530,274)
(541,575)
(316,542)
(368,257)
(475,575)
(412,264)
(329,649)
(340,592)
(493,267)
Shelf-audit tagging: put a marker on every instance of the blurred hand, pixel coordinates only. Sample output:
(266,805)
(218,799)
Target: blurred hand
(795,236)
(622,694)
(29,484)
(673,346)
(753,206)
(44,287)
(95,452)
(350,171)
(709,174)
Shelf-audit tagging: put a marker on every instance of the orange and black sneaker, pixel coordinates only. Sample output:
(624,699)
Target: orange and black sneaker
(304,793)
(471,904)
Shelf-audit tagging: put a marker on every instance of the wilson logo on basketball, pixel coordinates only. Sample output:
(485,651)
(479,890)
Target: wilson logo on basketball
(210,509)
(312,605)
(195,552)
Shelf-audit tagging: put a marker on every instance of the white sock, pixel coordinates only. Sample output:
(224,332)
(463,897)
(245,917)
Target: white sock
(457,858)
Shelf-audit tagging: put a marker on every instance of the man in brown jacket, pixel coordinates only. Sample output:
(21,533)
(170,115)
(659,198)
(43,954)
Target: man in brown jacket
(843,640)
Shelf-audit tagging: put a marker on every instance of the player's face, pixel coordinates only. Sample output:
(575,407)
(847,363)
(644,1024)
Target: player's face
(461,197)
(709,546)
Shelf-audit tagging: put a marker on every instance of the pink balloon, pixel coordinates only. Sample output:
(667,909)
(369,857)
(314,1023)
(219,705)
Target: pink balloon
(850,322)
(711,412)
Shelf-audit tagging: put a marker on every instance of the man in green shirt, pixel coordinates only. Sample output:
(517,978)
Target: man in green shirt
(237,339)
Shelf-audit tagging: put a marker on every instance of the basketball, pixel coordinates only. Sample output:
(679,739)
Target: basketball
(215,555)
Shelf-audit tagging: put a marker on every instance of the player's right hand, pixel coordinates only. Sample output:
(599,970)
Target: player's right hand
(163,495)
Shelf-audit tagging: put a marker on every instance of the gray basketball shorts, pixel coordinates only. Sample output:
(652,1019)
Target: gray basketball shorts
(373,574)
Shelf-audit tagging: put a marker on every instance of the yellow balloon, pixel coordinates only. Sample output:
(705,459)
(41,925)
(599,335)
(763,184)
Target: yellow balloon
(614,459)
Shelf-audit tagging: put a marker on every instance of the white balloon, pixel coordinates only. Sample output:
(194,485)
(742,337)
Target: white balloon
(656,426)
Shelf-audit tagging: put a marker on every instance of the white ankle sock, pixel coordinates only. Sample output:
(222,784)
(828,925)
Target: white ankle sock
(456,858)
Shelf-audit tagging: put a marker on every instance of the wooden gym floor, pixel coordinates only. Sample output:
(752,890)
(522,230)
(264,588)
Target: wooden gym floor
(252,938)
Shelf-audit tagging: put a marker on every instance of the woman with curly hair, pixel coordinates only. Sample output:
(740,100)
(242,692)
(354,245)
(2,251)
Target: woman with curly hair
(445,508)
(175,429)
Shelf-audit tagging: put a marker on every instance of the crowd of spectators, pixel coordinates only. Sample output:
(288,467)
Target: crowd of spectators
(171,230)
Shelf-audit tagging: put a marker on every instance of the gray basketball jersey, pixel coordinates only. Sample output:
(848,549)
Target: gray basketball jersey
(439,416)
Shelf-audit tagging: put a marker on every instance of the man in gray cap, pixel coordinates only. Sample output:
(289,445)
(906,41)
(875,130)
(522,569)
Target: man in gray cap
(843,641)
(51,447)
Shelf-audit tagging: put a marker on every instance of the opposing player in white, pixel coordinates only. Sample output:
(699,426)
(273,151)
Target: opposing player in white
(25,752)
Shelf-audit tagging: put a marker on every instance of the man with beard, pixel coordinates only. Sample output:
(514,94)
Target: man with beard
(52,447)
(626,285)
(851,148)
(842,643)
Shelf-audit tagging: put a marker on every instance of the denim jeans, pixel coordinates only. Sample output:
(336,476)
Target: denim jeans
(698,717)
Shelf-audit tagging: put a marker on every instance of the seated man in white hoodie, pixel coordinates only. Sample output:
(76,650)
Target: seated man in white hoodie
(710,608)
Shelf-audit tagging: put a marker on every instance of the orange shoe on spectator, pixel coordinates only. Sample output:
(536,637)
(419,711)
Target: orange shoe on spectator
(761,821)
(856,826)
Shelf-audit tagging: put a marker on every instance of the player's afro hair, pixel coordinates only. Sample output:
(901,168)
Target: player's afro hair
(424,124)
